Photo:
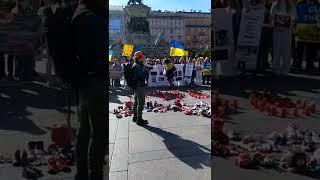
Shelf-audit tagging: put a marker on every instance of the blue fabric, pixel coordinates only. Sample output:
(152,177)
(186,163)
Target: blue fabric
(206,65)
(306,10)
(176,44)
(139,73)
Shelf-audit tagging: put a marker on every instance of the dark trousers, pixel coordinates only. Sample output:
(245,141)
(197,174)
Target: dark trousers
(92,138)
(311,53)
(194,73)
(25,67)
(139,101)
(265,48)
(206,79)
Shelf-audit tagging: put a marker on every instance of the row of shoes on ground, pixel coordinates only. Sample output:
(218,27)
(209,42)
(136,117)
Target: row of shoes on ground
(246,157)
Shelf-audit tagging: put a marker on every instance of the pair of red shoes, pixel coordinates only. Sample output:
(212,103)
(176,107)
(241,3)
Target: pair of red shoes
(58,164)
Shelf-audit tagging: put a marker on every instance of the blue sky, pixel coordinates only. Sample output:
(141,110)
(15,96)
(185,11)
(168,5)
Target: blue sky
(172,5)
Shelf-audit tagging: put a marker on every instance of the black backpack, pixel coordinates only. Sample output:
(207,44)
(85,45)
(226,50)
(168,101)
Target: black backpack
(62,46)
(128,72)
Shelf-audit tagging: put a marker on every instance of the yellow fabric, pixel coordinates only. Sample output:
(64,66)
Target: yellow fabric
(206,71)
(176,52)
(127,50)
(169,66)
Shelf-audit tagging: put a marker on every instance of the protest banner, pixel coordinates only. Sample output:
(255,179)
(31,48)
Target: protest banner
(308,22)
(223,47)
(249,35)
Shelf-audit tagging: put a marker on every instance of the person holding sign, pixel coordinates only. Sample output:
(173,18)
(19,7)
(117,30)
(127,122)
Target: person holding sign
(283,14)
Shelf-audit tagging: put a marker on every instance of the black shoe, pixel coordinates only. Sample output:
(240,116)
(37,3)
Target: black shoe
(142,122)
(31,173)
(17,157)
(24,158)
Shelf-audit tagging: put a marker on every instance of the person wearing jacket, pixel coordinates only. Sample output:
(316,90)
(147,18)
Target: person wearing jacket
(139,89)
(90,31)
(283,13)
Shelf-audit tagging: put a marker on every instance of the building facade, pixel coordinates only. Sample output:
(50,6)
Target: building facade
(116,23)
(171,24)
(197,31)
(193,29)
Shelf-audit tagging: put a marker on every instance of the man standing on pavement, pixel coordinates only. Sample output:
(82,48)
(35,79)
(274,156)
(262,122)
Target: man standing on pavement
(139,90)
(90,30)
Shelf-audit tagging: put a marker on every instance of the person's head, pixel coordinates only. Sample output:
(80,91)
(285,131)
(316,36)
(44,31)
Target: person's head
(139,57)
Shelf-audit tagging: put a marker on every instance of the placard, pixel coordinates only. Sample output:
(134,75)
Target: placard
(223,49)
(179,79)
(189,69)
(249,36)
(308,22)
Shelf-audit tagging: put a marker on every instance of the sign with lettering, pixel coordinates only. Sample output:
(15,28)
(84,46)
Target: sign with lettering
(308,21)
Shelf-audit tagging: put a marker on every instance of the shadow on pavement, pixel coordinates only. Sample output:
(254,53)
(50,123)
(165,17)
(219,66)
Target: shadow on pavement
(16,102)
(194,148)
(116,92)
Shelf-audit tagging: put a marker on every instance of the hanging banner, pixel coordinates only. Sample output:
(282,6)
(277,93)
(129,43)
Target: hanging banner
(249,36)
(153,74)
(188,73)
(189,69)
(178,75)
(223,48)
(308,22)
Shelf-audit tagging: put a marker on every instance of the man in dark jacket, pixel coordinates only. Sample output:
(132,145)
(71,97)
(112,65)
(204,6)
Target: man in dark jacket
(139,90)
(91,47)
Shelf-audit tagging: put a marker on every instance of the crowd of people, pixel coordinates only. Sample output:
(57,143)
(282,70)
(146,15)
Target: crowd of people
(280,43)
(201,74)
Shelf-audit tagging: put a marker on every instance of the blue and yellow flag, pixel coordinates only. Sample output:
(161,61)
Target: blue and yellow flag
(127,50)
(176,49)
(110,55)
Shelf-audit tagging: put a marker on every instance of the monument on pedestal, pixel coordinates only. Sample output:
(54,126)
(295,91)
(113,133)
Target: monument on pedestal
(138,32)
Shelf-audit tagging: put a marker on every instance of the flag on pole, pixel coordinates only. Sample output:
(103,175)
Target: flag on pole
(127,50)
(110,55)
(176,49)
(186,53)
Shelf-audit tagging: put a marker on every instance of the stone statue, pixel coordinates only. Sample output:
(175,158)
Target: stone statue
(135,1)
(138,25)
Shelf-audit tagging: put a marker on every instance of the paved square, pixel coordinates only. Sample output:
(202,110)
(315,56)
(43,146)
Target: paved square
(173,146)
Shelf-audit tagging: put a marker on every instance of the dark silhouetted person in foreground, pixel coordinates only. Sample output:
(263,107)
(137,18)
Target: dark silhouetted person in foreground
(90,43)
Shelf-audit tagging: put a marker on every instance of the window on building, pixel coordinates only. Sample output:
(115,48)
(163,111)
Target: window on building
(171,30)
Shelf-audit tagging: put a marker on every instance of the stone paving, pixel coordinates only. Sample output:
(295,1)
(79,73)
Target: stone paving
(173,146)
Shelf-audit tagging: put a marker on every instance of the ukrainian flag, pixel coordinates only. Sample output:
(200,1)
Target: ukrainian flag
(176,49)
(110,55)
